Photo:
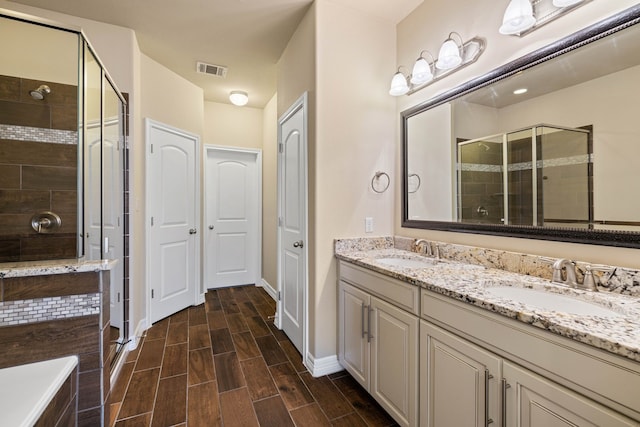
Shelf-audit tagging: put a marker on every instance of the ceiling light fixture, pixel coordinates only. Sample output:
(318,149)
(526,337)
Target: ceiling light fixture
(523,16)
(453,55)
(239,98)
(520,91)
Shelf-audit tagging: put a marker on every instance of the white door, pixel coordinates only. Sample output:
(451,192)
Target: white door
(233,194)
(172,187)
(112,213)
(93,192)
(292,232)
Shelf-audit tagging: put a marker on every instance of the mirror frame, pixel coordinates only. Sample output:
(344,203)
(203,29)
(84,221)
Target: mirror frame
(604,28)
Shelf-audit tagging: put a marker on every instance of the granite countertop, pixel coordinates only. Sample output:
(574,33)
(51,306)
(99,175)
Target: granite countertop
(469,283)
(42,268)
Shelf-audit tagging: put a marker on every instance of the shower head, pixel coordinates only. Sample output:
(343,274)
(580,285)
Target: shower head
(39,94)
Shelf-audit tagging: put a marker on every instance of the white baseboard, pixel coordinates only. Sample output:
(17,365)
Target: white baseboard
(323,366)
(200,299)
(139,332)
(115,369)
(267,287)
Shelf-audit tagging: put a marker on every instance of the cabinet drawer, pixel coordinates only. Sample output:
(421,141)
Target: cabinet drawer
(400,294)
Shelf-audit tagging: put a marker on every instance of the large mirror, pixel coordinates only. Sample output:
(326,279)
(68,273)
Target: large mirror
(547,146)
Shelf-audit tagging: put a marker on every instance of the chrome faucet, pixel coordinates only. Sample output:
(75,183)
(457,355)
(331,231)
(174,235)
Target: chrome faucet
(569,267)
(427,246)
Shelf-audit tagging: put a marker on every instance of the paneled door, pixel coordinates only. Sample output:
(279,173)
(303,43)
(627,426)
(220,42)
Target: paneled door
(172,189)
(233,200)
(292,230)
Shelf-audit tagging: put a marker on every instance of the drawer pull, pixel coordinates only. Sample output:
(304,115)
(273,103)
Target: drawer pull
(487,377)
(505,386)
(362,319)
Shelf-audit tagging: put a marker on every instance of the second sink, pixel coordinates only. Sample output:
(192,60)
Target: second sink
(551,301)
(407,262)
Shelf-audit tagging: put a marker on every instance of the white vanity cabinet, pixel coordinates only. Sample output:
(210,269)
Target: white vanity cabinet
(378,338)
(459,381)
(533,401)
(481,369)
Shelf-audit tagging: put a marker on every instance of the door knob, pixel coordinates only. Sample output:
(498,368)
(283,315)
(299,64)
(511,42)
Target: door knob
(192,231)
(298,244)
(211,227)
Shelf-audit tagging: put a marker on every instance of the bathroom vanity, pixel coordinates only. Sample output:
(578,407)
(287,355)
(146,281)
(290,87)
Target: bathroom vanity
(436,343)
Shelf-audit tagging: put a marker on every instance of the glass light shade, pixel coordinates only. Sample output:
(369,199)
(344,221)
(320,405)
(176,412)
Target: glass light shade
(399,85)
(449,56)
(566,3)
(421,72)
(517,18)
(239,98)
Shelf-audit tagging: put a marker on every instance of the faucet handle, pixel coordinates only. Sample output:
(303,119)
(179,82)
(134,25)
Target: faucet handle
(590,281)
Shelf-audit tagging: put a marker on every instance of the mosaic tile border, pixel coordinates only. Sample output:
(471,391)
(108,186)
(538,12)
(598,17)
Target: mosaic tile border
(33,134)
(22,312)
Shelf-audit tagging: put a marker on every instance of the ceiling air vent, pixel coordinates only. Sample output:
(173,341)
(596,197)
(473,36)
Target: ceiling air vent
(215,70)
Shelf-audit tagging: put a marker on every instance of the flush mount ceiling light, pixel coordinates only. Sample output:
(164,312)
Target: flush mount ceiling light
(520,91)
(239,98)
(452,57)
(523,16)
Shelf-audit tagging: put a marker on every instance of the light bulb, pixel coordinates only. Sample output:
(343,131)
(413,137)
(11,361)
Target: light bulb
(517,18)
(421,72)
(399,85)
(449,56)
(239,98)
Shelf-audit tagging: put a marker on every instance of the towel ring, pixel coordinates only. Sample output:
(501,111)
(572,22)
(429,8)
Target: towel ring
(376,178)
(417,177)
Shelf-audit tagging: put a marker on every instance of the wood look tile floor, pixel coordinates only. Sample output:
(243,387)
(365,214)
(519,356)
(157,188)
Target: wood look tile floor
(223,363)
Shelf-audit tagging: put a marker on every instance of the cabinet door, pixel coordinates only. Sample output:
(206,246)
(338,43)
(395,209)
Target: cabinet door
(537,402)
(394,362)
(459,381)
(353,346)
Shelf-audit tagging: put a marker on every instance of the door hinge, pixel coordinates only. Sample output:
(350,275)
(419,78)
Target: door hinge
(279,221)
(118,296)
(281,148)
(118,221)
(152,221)
(279,299)
(151,148)
(152,295)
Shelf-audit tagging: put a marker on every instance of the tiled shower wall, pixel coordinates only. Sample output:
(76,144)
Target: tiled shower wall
(38,169)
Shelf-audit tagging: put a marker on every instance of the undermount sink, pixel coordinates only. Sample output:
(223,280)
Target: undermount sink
(407,262)
(551,301)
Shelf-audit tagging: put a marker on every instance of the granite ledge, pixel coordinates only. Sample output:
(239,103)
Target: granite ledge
(468,283)
(43,268)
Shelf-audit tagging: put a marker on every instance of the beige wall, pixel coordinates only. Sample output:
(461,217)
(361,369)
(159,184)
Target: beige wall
(269,193)
(355,137)
(229,125)
(170,99)
(426,28)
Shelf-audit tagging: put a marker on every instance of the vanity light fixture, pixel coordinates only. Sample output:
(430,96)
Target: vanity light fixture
(523,16)
(239,98)
(399,85)
(453,56)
